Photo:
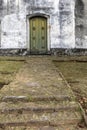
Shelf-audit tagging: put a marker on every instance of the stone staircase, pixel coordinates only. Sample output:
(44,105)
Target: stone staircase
(39,112)
(28,105)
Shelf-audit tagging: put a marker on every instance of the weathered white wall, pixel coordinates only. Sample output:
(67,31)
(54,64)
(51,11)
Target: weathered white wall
(67,23)
(13,26)
(13,32)
(81,24)
(61,22)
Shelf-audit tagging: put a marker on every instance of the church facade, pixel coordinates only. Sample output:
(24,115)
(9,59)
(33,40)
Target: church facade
(40,26)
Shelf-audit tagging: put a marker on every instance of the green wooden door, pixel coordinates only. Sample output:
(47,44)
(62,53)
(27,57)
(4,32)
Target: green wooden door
(38,35)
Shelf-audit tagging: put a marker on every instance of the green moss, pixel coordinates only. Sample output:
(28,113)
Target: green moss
(73,70)
(30,98)
(8,68)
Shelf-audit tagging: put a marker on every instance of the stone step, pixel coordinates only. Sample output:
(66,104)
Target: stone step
(36,98)
(39,110)
(10,108)
(40,119)
(35,89)
(64,127)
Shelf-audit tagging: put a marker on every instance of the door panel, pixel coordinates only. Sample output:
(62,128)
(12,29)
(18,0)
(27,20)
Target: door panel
(38,35)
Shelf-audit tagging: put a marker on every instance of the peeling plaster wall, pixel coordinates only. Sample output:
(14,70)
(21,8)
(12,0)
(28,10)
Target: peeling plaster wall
(67,24)
(84,23)
(79,23)
(13,25)
(13,17)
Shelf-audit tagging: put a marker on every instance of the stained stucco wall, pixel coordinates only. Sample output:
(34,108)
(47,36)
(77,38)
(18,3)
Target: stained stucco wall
(81,24)
(84,41)
(14,16)
(67,23)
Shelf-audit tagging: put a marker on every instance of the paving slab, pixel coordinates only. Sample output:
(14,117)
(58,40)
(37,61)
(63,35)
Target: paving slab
(38,77)
(39,98)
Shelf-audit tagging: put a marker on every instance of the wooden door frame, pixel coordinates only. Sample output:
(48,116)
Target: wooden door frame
(28,29)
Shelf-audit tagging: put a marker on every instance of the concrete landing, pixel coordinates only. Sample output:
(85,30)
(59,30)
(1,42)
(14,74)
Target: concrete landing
(39,99)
